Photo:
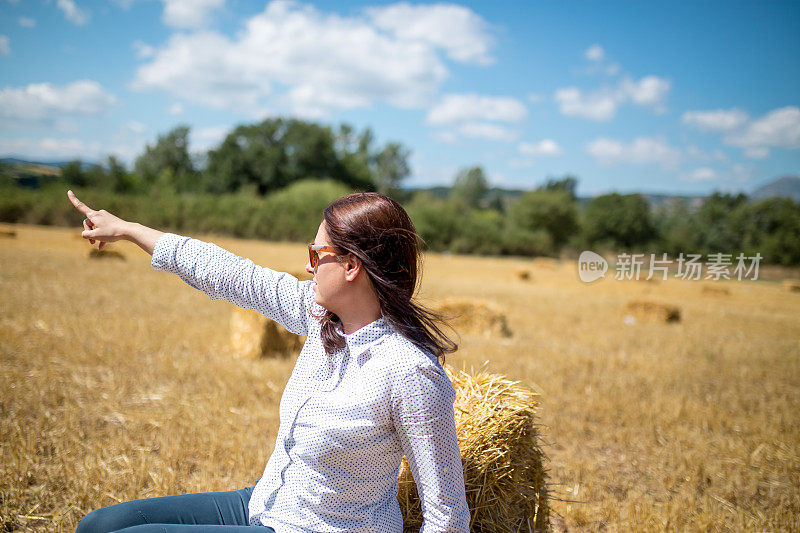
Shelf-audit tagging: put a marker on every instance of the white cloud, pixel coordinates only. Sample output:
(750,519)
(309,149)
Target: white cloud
(207,68)
(715,120)
(602,105)
(487,130)
(325,62)
(642,150)
(597,106)
(136,127)
(446,137)
(176,109)
(189,13)
(703,174)
(126,144)
(702,156)
(520,163)
(5,46)
(26,22)
(595,53)
(473,115)
(143,50)
(778,128)
(535,98)
(50,148)
(726,178)
(316,62)
(124,4)
(648,91)
(599,62)
(545,147)
(456,29)
(454,108)
(44,102)
(756,152)
(73,13)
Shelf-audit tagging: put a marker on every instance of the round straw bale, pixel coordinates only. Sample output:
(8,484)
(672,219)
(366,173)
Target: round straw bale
(94,253)
(474,317)
(650,311)
(792,285)
(523,274)
(253,335)
(504,475)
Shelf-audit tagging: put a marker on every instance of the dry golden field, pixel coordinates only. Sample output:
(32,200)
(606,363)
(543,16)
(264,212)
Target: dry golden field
(117,382)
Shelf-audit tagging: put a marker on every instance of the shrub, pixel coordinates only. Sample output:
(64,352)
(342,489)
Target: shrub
(622,219)
(294,213)
(551,211)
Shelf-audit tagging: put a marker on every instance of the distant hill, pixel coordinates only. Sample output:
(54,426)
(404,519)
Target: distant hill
(30,174)
(22,162)
(509,195)
(787,186)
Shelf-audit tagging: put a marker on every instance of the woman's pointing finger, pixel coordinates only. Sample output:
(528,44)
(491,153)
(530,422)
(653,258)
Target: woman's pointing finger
(80,206)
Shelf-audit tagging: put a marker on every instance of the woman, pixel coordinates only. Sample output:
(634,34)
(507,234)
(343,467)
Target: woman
(367,387)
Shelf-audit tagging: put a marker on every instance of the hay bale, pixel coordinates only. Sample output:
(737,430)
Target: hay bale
(253,335)
(791,285)
(504,475)
(474,318)
(650,312)
(523,274)
(105,253)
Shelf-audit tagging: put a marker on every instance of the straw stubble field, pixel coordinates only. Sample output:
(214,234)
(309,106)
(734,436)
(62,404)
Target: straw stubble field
(118,382)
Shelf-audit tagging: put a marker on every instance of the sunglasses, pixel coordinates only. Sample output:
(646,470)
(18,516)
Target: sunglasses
(313,253)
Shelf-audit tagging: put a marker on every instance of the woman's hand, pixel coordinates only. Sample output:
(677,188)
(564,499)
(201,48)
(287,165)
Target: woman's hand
(101,226)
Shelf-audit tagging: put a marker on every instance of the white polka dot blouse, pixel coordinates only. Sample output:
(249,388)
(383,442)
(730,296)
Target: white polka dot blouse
(346,420)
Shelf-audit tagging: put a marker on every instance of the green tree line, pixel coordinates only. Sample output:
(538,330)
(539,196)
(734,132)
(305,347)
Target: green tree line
(550,221)
(277,176)
(255,158)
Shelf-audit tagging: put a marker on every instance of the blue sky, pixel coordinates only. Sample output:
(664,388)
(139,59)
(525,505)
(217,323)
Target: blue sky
(669,97)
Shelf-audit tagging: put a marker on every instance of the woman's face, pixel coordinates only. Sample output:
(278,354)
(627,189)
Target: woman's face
(329,276)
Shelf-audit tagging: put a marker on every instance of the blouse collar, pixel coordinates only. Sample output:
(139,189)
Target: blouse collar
(362,339)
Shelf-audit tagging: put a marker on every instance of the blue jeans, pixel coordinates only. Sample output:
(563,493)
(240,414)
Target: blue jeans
(206,512)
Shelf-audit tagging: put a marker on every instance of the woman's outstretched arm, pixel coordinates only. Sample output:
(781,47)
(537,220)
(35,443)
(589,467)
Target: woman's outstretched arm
(208,268)
(101,226)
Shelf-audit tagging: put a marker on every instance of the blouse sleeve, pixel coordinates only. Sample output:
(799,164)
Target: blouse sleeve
(422,408)
(226,276)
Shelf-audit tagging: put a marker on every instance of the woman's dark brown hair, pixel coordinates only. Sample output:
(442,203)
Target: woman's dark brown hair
(377,230)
